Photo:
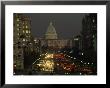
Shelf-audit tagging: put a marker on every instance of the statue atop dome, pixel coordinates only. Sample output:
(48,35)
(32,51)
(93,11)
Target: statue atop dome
(51,32)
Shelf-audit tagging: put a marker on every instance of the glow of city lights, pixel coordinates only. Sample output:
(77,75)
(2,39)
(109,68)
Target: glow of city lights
(88,63)
(49,56)
(45,53)
(92,63)
(48,65)
(39,64)
(81,61)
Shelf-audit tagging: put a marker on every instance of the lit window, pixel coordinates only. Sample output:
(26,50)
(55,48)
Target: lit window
(23,31)
(93,20)
(17,19)
(26,26)
(35,40)
(23,39)
(17,25)
(18,34)
(18,29)
(29,31)
(26,31)
(76,39)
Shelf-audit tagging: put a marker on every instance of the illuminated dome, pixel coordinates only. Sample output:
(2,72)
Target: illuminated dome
(51,32)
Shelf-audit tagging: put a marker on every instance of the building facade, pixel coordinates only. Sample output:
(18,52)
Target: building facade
(51,32)
(77,42)
(22,39)
(89,35)
(56,43)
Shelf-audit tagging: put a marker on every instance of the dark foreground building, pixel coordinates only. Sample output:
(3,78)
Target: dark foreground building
(89,37)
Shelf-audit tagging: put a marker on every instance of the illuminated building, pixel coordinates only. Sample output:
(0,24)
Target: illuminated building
(89,35)
(77,42)
(51,39)
(56,43)
(22,39)
(37,45)
(51,32)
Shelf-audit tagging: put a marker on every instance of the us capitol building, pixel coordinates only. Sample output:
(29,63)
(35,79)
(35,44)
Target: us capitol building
(52,41)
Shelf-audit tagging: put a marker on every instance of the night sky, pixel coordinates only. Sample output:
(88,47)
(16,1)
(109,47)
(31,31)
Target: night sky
(67,25)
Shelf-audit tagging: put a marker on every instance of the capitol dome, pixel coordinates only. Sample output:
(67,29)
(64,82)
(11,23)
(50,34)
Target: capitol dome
(51,32)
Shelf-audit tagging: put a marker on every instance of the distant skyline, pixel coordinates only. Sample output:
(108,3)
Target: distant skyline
(67,25)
